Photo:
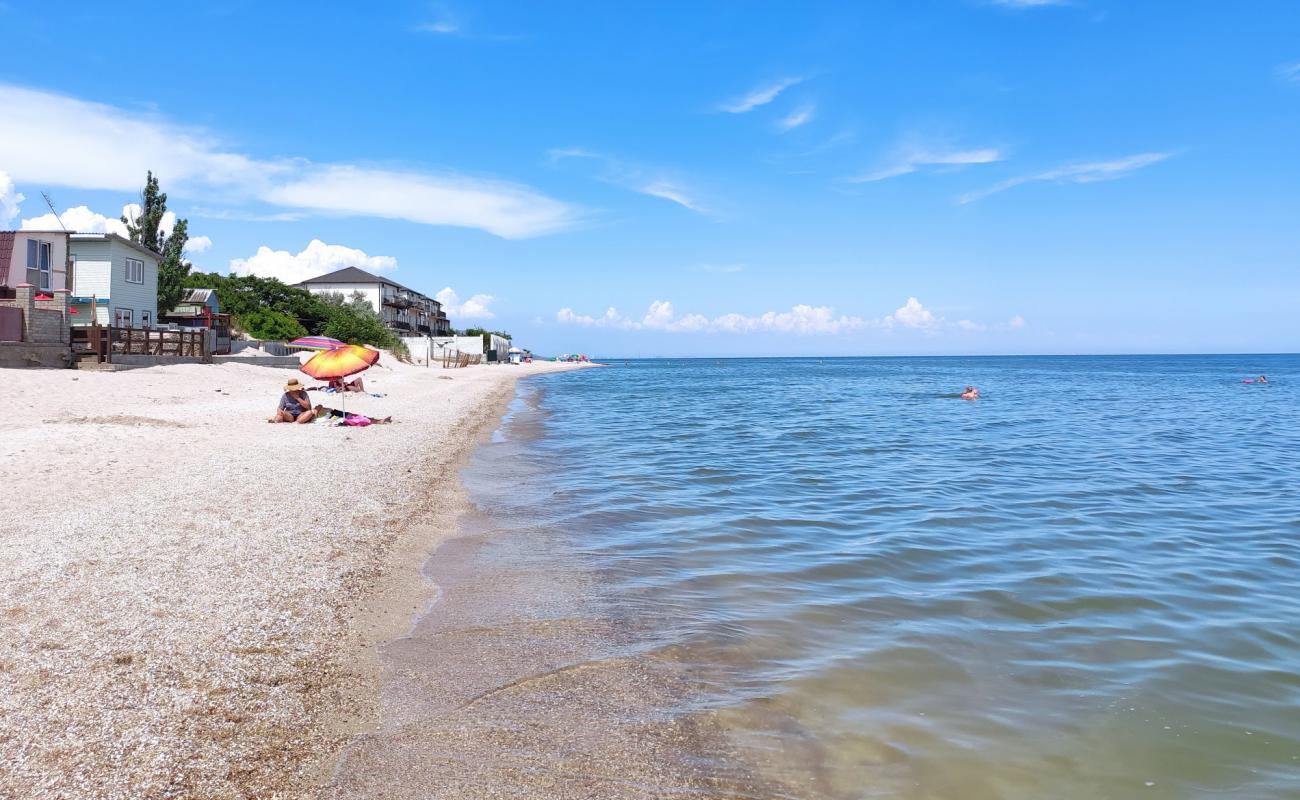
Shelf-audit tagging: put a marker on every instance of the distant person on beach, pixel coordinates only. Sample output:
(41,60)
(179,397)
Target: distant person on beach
(323,412)
(340,385)
(295,405)
(971,393)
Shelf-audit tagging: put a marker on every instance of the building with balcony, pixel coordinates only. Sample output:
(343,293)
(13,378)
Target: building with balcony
(404,311)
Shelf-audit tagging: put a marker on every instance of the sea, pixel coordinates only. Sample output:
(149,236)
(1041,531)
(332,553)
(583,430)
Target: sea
(835,579)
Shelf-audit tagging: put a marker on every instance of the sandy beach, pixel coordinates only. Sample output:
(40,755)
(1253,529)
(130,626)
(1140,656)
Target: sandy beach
(191,597)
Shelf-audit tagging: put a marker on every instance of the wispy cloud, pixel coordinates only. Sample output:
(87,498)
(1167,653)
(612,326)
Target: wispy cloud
(912,159)
(1028,3)
(723,268)
(1091,172)
(47,138)
(650,181)
(444,27)
(1289,72)
(759,96)
(800,116)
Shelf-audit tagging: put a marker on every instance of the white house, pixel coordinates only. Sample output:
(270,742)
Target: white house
(403,310)
(118,276)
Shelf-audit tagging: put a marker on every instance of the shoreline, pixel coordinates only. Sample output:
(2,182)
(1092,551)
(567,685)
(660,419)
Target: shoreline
(192,598)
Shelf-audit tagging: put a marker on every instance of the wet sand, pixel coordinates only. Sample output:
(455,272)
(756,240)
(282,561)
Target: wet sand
(523,680)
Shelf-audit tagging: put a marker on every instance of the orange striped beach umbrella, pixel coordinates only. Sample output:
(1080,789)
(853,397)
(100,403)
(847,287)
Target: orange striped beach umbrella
(340,363)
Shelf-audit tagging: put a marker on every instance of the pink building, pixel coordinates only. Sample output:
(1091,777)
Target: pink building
(38,258)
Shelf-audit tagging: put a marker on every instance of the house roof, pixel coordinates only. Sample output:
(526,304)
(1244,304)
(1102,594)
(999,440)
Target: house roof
(200,296)
(113,237)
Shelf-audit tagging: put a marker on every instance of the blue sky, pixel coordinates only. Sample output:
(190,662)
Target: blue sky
(747,178)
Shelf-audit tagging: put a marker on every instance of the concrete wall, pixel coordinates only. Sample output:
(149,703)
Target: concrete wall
(45,337)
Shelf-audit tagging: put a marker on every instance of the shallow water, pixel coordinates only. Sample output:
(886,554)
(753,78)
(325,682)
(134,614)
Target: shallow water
(1084,585)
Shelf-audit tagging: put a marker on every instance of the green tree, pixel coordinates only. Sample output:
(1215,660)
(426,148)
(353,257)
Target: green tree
(146,229)
(263,323)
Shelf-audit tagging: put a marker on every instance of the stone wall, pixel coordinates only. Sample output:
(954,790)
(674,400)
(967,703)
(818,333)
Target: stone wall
(46,333)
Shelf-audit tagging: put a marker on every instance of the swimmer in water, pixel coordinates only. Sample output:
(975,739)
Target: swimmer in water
(971,393)
(1261,379)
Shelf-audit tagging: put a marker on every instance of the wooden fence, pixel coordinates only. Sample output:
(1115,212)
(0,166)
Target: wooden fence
(104,342)
(454,359)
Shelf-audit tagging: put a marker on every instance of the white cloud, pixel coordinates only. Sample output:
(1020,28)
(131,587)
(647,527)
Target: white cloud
(800,320)
(79,219)
(642,180)
(759,96)
(912,159)
(197,244)
(912,315)
(726,268)
(800,116)
(475,307)
(52,139)
(445,27)
(1028,3)
(316,258)
(661,316)
(1091,172)
(10,199)
(1289,72)
(668,190)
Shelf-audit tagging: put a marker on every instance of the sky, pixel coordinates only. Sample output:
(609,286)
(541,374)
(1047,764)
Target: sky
(704,178)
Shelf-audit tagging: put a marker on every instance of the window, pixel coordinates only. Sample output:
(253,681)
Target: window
(134,270)
(145,322)
(122,318)
(38,263)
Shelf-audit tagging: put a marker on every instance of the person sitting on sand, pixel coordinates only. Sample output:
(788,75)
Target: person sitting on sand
(295,405)
(340,385)
(322,412)
(971,393)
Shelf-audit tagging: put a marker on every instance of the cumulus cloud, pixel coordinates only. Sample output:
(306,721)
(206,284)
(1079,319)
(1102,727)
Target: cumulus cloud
(912,159)
(316,258)
(53,139)
(197,244)
(800,116)
(662,316)
(641,179)
(476,307)
(800,320)
(1091,172)
(79,219)
(10,199)
(759,96)
(912,315)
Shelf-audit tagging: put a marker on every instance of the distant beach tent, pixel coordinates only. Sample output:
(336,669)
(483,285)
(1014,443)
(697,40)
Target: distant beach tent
(316,343)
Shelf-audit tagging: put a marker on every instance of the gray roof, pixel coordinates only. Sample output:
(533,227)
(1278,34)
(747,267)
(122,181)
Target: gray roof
(75,237)
(352,275)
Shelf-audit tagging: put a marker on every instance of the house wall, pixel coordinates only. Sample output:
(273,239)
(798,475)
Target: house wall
(101,271)
(58,258)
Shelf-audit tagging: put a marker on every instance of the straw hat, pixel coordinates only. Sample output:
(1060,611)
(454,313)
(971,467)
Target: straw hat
(293,385)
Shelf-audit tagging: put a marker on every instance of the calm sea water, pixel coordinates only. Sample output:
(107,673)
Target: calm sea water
(1084,585)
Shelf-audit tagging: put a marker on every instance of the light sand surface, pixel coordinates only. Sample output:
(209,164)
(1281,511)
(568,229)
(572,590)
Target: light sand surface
(190,597)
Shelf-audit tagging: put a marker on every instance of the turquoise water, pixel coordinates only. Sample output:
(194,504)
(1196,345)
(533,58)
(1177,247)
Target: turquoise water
(1084,585)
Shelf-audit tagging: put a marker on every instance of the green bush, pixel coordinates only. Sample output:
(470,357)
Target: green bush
(263,323)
